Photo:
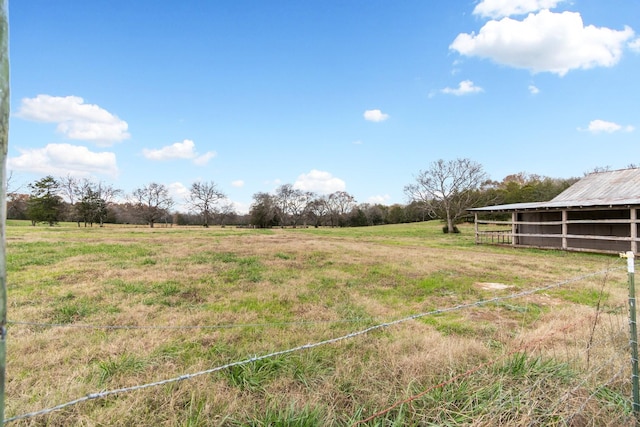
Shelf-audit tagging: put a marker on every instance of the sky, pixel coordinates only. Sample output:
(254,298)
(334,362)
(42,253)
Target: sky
(332,95)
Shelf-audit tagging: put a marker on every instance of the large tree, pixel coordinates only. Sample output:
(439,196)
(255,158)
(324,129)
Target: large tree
(317,211)
(152,202)
(263,211)
(448,188)
(88,200)
(339,204)
(45,205)
(91,208)
(292,203)
(203,198)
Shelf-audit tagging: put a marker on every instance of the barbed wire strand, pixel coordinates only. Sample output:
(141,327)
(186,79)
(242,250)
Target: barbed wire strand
(103,394)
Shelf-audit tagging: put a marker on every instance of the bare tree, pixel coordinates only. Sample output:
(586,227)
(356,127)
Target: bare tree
(292,203)
(203,199)
(448,188)
(339,204)
(69,188)
(226,212)
(317,211)
(152,202)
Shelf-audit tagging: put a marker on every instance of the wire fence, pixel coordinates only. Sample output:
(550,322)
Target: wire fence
(607,371)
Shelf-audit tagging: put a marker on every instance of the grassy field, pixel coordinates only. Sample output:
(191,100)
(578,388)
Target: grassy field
(98,309)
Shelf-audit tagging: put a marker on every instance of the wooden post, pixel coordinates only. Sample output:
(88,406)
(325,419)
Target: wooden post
(514,228)
(634,229)
(476,227)
(565,228)
(4,142)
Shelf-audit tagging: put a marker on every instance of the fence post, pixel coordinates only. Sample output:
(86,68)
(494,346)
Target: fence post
(633,332)
(4,142)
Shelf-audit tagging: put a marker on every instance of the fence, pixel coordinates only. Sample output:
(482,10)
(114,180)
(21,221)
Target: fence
(601,388)
(503,237)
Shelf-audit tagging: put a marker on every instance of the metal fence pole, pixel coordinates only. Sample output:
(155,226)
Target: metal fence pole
(4,142)
(633,332)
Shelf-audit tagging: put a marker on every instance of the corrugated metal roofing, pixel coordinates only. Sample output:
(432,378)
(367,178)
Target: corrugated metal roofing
(613,188)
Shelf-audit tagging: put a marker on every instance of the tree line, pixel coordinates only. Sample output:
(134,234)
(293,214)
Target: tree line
(442,191)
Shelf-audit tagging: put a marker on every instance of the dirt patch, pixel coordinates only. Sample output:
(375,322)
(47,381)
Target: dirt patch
(492,286)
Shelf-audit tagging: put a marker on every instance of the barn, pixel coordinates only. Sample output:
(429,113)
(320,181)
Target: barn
(599,213)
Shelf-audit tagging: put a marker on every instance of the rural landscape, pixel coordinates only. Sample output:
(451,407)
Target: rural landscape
(301,214)
(445,190)
(398,324)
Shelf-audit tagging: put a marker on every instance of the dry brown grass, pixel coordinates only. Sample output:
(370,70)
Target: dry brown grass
(279,289)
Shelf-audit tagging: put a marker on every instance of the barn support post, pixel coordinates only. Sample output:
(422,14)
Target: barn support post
(4,142)
(565,228)
(514,228)
(475,222)
(633,233)
(633,333)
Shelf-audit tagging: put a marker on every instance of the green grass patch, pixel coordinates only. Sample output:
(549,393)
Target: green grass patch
(256,375)
(586,296)
(285,256)
(168,288)
(21,255)
(120,366)
(451,324)
(70,309)
(289,416)
(129,288)
(444,283)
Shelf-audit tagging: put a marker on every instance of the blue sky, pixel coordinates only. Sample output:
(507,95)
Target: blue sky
(327,95)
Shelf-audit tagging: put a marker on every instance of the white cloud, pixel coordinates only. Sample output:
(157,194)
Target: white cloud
(320,182)
(379,199)
(204,159)
(64,159)
(375,116)
(598,126)
(465,87)
(179,150)
(634,45)
(241,208)
(178,190)
(546,41)
(500,8)
(533,90)
(237,183)
(179,193)
(75,119)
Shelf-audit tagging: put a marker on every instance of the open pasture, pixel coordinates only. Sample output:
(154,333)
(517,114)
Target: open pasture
(99,309)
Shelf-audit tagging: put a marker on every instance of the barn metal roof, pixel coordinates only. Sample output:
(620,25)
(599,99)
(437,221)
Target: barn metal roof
(613,188)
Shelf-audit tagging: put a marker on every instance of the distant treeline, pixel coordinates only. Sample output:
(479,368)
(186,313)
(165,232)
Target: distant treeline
(66,199)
